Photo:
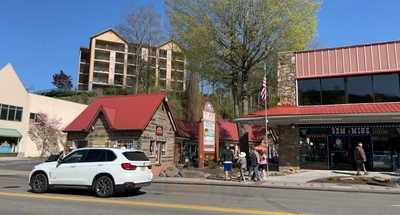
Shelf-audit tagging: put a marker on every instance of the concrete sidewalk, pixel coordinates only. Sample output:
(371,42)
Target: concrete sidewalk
(281,185)
(298,181)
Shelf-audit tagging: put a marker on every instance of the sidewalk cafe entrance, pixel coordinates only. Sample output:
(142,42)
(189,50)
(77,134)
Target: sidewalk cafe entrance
(9,139)
(332,146)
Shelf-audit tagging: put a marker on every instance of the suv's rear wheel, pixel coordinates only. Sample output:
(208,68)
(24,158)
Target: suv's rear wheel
(103,186)
(39,183)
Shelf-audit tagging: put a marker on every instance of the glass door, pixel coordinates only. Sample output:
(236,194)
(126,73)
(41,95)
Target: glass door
(382,153)
(340,153)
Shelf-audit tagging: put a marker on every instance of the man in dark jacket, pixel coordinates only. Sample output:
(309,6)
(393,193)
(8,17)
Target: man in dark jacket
(254,163)
(227,158)
(359,156)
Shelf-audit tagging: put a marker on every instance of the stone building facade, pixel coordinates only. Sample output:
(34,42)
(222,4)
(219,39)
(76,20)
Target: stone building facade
(287,79)
(156,137)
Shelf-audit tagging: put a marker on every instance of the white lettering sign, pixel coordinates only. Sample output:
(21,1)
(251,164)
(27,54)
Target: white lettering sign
(209,128)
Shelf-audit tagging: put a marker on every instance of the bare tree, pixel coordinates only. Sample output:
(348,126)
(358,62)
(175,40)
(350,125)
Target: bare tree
(143,28)
(46,133)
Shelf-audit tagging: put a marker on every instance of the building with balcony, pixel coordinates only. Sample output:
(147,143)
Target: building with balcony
(331,100)
(111,60)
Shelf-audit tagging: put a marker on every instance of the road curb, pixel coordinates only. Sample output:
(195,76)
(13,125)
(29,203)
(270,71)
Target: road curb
(287,187)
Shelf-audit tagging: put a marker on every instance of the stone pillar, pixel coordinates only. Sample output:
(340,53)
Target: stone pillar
(287,79)
(288,148)
(243,138)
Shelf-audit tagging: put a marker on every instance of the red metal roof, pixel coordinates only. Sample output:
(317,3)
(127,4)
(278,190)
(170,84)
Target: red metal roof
(187,129)
(227,130)
(131,112)
(364,108)
(350,60)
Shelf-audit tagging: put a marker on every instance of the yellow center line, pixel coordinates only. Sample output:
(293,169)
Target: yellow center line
(143,203)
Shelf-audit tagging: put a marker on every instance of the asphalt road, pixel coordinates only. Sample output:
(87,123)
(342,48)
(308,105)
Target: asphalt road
(188,199)
(21,165)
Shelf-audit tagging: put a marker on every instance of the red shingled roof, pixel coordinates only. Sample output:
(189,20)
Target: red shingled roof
(131,112)
(364,108)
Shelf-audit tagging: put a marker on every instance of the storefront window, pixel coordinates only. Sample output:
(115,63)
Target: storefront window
(351,89)
(309,92)
(333,91)
(313,148)
(386,88)
(359,89)
(313,153)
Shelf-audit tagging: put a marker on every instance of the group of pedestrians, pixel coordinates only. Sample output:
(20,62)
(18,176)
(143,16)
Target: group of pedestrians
(255,164)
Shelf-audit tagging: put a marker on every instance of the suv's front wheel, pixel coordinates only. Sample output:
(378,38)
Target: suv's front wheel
(103,186)
(39,183)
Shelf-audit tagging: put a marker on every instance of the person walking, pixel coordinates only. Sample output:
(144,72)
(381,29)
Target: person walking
(242,166)
(263,165)
(254,162)
(359,156)
(227,158)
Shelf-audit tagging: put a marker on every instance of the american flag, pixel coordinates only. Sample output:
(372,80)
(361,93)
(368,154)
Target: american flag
(264,90)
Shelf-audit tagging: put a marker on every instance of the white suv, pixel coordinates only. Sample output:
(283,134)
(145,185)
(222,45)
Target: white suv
(103,170)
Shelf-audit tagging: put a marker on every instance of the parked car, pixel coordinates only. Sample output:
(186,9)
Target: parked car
(103,170)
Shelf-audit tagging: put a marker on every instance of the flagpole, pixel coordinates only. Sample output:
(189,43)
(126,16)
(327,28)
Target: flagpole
(266,119)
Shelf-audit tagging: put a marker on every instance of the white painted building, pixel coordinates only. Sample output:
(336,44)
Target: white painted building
(18,106)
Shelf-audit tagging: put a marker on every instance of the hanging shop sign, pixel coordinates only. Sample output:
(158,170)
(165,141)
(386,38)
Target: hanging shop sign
(209,128)
(159,130)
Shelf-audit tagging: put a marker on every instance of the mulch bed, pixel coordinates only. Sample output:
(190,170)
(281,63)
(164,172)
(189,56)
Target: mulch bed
(349,180)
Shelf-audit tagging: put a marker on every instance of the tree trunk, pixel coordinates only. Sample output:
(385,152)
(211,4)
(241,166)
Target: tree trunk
(245,98)
(137,72)
(235,101)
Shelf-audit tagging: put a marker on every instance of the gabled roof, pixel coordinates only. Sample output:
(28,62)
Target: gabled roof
(131,112)
(9,76)
(110,30)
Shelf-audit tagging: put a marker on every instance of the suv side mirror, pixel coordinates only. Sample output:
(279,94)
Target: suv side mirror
(59,161)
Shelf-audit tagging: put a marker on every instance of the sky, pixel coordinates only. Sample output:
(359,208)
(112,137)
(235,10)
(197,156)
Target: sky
(42,37)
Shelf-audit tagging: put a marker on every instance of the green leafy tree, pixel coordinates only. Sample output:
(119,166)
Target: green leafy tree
(227,41)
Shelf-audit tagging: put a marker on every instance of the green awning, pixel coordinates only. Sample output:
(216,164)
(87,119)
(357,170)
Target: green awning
(9,132)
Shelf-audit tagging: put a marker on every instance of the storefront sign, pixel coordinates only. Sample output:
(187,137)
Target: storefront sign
(350,131)
(159,130)
(209,128)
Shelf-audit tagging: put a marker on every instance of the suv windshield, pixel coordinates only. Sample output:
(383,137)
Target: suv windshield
(135,156)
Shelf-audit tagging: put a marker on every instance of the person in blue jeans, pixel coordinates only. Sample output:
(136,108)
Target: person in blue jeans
(242,166)
(254,165)
(227,158)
